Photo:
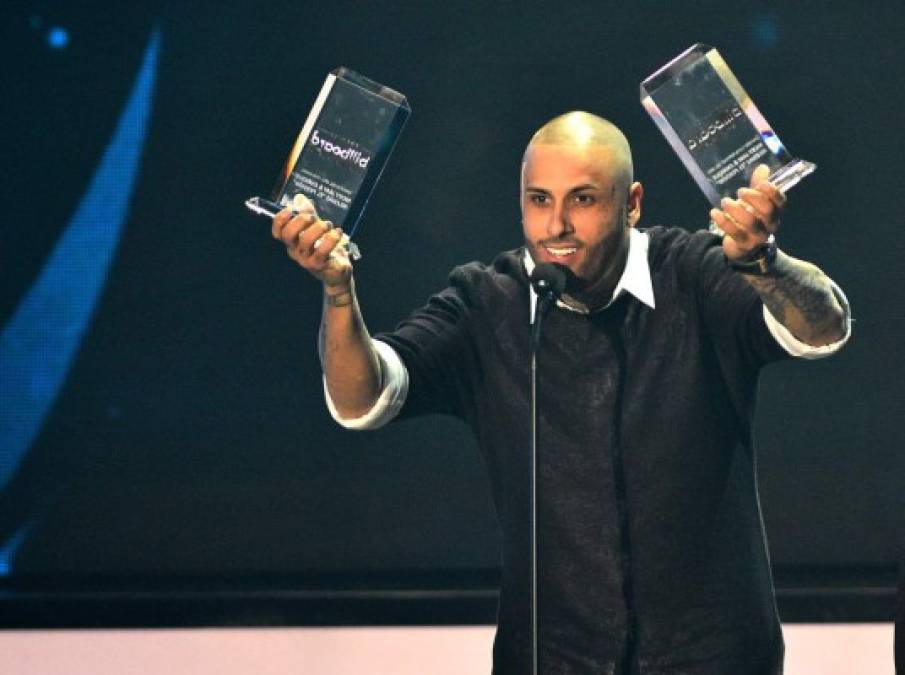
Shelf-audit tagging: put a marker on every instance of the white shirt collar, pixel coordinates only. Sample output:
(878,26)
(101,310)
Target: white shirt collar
(635,277)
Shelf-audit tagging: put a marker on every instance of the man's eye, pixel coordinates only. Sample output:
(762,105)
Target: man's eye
(584,199)
(540,200)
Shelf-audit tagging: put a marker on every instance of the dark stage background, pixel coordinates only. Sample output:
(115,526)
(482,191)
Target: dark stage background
(185,446)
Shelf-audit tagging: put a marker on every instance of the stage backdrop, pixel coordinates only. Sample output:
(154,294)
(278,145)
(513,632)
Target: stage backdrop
(162,415)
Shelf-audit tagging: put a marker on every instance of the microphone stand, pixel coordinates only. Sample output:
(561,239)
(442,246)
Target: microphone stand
(545,298)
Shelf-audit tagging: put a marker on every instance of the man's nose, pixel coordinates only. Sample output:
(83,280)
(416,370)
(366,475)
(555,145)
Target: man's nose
(560,223)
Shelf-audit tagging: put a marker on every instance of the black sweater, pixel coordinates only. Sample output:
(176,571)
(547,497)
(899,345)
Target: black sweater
(652,551)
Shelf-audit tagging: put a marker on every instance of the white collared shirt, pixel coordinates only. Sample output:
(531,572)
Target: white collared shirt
(635,279)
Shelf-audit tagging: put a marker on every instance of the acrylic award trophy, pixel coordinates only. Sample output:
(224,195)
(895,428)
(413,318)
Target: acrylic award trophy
(714,126)
(340,152)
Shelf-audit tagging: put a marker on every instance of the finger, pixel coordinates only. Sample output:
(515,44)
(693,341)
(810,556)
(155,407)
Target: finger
(729,226)
(760,180)
(288,223)
(309,236)
(295,227)
(746,237)
(759,201)
(325,247)
(773,193)
(763,207)
(279,221)
(743,214)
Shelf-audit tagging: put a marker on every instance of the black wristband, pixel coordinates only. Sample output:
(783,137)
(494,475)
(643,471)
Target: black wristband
(760,262)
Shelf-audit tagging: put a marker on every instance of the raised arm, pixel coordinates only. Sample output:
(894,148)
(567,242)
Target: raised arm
(798,294)
(350,363)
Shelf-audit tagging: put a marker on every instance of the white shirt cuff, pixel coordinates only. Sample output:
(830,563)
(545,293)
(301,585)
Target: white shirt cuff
(802,350)
(394,387)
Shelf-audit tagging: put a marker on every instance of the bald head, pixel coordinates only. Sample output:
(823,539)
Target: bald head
(581,129)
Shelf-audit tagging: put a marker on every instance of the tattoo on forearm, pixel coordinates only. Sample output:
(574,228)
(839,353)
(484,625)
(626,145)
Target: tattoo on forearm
(798,295)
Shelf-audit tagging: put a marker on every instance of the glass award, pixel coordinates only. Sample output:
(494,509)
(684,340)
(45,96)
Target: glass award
(341,151)
(714,127)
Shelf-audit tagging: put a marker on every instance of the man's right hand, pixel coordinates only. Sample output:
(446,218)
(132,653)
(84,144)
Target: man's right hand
(350,362)
(313,243)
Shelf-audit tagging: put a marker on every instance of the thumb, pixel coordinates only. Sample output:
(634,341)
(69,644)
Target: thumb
(761,173)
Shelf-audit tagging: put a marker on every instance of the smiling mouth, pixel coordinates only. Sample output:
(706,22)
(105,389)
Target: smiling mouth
(560,251)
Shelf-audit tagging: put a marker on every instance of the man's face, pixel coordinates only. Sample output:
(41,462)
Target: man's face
(577,209)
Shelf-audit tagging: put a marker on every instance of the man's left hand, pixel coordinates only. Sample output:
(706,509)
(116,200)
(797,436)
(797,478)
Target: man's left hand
(750,220)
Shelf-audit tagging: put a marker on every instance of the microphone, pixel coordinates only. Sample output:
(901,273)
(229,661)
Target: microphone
(549,278)
(548,281)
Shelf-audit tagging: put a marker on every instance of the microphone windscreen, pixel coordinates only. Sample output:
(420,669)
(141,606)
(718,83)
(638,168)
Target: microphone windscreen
(549,277)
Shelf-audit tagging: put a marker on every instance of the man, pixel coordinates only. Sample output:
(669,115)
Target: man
(652,555)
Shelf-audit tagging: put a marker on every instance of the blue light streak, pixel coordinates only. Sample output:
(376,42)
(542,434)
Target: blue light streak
(42,337)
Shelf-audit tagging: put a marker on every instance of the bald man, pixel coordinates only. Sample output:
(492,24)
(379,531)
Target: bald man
(652,554)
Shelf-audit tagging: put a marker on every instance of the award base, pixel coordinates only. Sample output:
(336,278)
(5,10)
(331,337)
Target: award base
(791,174)
(265,207)
(785,179)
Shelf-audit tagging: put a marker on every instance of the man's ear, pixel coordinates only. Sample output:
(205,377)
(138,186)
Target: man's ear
(633,203)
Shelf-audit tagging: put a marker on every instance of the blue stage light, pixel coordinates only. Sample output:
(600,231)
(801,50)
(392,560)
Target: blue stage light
(57,37)
(766,31)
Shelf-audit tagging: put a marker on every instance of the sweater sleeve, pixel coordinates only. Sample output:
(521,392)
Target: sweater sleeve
(733,312)
(435,345)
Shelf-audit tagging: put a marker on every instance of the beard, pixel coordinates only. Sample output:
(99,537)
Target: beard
(595,288)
